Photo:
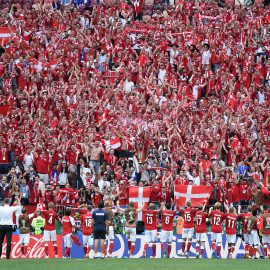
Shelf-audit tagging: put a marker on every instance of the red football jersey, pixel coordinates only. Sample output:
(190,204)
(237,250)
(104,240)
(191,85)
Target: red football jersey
(245,217)
(216,221)
(200,218)
(188,214)
(150,219)
(67,223)
(167,219)
(50,218)
(86,220)
(230,223)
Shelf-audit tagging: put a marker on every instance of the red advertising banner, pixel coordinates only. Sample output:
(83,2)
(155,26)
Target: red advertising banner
(36,248)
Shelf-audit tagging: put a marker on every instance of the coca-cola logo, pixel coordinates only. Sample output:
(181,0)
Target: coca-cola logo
(35,249)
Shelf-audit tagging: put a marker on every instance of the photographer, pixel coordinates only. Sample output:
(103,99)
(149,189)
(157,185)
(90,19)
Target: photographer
(6,224)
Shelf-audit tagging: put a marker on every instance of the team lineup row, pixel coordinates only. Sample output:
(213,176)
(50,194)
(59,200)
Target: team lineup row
(98,225)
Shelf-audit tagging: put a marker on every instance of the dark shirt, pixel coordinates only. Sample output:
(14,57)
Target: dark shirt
(100,217)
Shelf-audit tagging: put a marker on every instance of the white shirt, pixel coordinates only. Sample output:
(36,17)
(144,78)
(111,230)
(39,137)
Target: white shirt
(6,214)
(196,180)
(161,76)
(128,86)
(28,161)
(206,57)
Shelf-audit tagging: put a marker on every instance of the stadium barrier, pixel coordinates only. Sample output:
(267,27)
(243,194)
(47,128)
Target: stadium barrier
(36,247)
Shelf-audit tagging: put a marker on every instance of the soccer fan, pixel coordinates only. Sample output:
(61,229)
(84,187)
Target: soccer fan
(110,235)
(216,217)
(68,225)
(167,216)
(230,225)
(264,227)
(24,227)
(87,229)
(150,221)
(50,229)
(244,218)
(188,215)
(200,229)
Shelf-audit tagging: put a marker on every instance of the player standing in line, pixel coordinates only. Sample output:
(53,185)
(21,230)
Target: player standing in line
(110,236)
(131,216)
(24,227)
(50,229)
(254,240)
(167,228)
(200,229)
(150,222)
(216,220)
(188,215)
(244,217)
(87,230)
(68,224)
(230,225)
(264,226)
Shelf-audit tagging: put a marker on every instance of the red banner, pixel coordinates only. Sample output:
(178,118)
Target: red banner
(36,248)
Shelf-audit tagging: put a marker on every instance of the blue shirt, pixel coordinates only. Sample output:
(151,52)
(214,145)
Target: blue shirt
(100,216)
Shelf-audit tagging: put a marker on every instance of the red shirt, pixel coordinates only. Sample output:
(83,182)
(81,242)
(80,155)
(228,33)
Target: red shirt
(86,220)
(230,223)
(67,223)
(167,219)
(50,218)
(245,217)
(217,218)
(150,219)
(200,218)
(42,165)
(188,214)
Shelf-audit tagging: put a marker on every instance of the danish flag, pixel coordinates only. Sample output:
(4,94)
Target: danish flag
(113,143)
(140,196)
(195,194)
(5,34)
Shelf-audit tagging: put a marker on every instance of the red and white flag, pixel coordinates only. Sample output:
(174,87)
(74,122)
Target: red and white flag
(113,143)
(5,34)
(52,64)
(140,196)
(195,194)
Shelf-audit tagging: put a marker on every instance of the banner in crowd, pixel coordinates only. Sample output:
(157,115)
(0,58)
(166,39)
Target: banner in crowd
(36,247)
(196,194)
(140,196)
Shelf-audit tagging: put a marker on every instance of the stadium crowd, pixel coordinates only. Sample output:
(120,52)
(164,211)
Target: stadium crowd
(96,97)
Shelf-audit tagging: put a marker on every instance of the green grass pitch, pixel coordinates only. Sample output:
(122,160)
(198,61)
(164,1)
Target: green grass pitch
(134,264)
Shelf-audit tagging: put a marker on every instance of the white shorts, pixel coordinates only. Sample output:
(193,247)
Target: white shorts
(246,238)
(110,236)
(150,236)
(87,240)
(216,237)
(201,237)
(266,238)
(131,234)
(166,236)
(49,236)
(231,238)
(25,238)
(67,240)
(188,233)
(253,238)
